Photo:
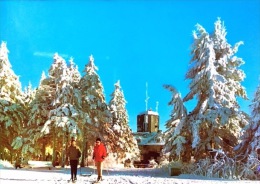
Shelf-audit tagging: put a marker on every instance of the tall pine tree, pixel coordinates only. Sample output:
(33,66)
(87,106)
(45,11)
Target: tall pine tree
(123,143)
(94,113)
(216,121)
(12,109)
(219,113)
(215,81)
(177,134)
(63,115)
(53,112)
(250,144)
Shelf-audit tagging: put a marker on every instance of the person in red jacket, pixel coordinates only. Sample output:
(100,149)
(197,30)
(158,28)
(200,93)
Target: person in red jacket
(99,155)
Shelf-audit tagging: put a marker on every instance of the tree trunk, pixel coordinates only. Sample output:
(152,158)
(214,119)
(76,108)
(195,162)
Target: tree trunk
(83,149)
(66,148)
(54,147)
(87,151)
(43,149)
(63,151)
(11,156)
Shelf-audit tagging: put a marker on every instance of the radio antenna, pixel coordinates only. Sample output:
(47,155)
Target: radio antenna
(147,97)
(157,105)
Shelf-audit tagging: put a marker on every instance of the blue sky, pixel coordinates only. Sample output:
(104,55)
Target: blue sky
(132,41)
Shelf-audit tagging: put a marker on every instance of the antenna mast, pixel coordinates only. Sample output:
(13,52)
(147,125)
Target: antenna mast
(157,104)
(147,97)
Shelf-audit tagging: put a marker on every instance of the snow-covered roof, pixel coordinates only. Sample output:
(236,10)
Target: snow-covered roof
(147,138)
(149,112)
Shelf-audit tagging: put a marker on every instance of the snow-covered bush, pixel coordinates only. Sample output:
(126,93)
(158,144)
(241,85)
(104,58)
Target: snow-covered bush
(5,164)
(163,164)
(221,166)
(153,163)
(249,170)
(111,162)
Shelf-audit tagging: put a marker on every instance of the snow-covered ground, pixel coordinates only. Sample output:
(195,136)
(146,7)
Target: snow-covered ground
(9,175)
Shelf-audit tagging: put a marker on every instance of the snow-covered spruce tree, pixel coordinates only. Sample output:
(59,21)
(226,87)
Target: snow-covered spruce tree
(34,123)
(53,113)
(29,95)
(216,121)
(94,113)
(248,150)
(250,144)
(63,115)
(18,142)
(178,134)
(34,142)
(12,114)
(123,144)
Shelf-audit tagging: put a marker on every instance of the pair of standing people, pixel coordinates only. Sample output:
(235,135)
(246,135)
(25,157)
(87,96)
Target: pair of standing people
(74,154)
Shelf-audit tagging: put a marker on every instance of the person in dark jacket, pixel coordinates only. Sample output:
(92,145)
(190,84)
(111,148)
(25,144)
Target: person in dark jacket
(99,155)
(73,154)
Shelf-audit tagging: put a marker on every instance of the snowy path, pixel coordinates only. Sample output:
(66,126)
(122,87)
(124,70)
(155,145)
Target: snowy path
(124,176)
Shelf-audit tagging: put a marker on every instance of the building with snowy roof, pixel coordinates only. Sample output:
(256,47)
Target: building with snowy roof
(149,138)
(148,121)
